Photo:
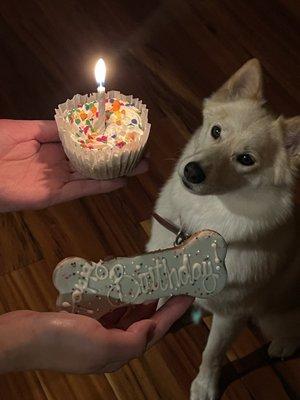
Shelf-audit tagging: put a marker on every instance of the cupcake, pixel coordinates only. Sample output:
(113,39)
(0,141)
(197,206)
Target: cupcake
(103,151)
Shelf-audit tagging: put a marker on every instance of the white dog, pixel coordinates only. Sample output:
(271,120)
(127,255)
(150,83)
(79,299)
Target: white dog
(236,176)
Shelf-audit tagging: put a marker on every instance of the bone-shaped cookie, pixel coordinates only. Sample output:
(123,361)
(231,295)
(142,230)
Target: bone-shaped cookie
(196,268)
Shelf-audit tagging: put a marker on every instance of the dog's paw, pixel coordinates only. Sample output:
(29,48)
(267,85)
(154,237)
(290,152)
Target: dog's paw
(204,389)
(283,347)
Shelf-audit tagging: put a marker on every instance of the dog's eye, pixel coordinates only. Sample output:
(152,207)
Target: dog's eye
(216,131)
(245,159)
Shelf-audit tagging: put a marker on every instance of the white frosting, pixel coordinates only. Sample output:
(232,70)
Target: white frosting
(162,277)
(82,283)
(214,246)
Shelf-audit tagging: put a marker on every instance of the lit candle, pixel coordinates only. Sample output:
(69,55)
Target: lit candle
(100,72)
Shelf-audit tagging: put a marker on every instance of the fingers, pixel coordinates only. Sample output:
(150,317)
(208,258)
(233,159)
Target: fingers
(137,313)
(168,314)
(46,131)
(53,154)
(142,167)
(111,319)
(132,342)
(141,334)
(75,175)
(43,131)
(80,188)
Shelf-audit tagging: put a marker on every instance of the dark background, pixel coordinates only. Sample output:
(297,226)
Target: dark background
(171,54)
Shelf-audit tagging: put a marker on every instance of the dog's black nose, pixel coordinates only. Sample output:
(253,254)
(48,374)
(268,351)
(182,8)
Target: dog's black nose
(193,173)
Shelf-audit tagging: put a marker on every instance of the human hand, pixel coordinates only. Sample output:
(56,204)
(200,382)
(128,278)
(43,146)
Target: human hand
(34,170)
(67,342)
(79,344)
(164,318)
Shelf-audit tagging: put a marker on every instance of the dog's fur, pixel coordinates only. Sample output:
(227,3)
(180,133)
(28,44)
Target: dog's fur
(252,208)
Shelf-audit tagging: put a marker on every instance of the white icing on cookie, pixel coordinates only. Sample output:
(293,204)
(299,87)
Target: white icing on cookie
(101,272)
(82,283)
(214,246)
(190,268)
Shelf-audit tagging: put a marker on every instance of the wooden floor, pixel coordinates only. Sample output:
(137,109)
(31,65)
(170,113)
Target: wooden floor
(171,54)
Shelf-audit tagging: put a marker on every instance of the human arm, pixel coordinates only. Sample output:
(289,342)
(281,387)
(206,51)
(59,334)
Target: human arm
(78,344)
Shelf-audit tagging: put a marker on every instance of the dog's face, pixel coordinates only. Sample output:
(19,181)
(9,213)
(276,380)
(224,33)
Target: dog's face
(240,144)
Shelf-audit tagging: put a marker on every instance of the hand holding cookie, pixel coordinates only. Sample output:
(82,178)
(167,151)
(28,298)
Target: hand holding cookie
(73,343)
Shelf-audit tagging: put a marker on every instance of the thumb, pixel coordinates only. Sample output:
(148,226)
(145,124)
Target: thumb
(139,335)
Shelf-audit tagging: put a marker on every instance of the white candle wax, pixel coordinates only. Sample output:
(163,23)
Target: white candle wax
(100,72)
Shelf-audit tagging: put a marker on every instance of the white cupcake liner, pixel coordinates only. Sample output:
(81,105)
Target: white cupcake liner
(107,163)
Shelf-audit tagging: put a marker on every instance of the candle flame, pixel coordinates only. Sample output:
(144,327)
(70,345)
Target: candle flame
(100,72)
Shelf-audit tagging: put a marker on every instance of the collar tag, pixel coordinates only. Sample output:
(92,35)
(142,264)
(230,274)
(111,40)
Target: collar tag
(180,237)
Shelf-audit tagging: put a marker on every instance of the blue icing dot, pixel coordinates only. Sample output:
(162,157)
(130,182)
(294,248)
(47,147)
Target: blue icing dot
(113,136)
(196,316)
(134,121)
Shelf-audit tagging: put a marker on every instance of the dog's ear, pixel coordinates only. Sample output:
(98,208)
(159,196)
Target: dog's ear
(245,83)
(291,130)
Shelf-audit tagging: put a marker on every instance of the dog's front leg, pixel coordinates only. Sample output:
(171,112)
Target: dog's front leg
(223,332)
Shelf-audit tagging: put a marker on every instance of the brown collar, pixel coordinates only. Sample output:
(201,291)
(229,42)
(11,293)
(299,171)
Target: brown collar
(181,235)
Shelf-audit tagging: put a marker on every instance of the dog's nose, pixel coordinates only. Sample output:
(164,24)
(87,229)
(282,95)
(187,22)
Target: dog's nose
(193,172)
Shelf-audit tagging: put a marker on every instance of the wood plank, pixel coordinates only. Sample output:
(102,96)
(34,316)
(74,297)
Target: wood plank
(28,288)
(18,246)
(21,386)
(172,54)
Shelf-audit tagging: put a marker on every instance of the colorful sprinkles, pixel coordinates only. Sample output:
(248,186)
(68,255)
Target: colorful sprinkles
(123,124)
